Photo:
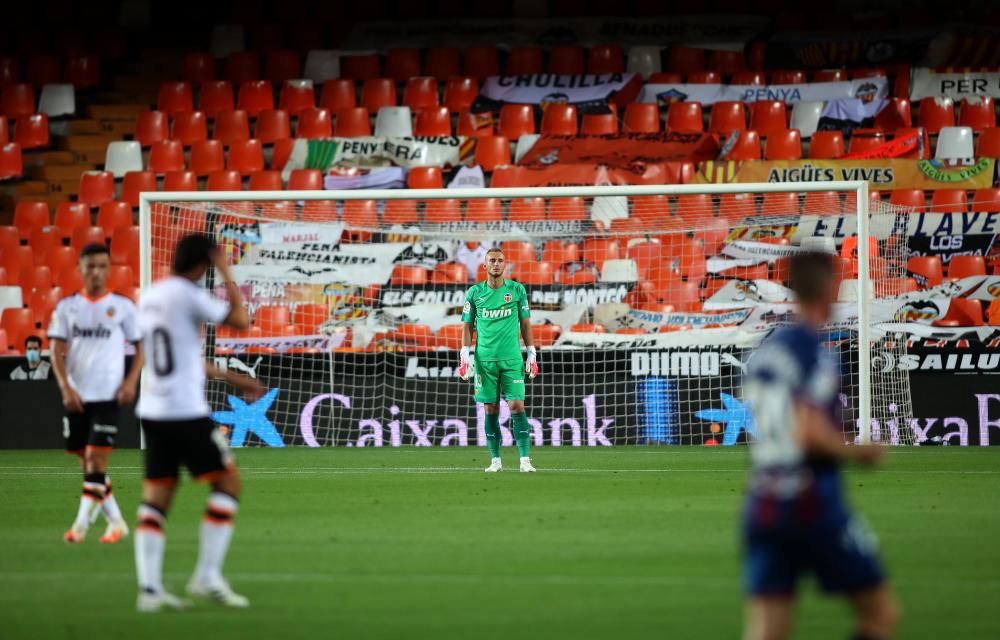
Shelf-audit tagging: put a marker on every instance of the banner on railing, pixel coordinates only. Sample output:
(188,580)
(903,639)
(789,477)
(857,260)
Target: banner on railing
(709,94)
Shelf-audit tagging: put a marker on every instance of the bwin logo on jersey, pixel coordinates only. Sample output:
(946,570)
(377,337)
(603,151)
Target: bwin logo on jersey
(493,314)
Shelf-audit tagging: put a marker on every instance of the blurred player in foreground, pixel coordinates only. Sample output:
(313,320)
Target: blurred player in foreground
(177,427)
(796,520)
(497,309)
(89,330)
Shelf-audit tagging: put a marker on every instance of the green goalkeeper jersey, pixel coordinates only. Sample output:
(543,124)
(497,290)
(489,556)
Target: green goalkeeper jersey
(497,315)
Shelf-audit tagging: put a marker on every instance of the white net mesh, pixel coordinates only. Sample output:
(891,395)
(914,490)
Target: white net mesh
(645,309)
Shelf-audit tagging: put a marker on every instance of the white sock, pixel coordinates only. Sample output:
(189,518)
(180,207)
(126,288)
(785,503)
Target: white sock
(149,545)
(90,502)
(109,507)
(216,533)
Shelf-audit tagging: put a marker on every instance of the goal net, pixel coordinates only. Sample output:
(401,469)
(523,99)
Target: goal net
(646,303)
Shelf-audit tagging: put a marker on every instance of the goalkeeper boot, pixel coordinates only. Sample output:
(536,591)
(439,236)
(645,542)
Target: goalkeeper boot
(218,592)
(495,466)
(75,535)
(115,532)
(526,466)
(154,602)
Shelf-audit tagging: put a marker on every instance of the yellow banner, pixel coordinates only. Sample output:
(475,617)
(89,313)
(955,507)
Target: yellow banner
(881,173)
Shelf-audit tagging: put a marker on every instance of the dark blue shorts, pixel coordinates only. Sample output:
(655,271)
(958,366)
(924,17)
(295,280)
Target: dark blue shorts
(843,557)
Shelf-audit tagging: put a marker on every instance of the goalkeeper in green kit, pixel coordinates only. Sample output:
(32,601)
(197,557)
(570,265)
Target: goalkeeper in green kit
(498,311)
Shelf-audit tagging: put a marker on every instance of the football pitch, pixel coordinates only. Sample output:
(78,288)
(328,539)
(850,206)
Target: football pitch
(420,543)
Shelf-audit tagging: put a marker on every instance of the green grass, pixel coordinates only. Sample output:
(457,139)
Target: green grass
(419,543)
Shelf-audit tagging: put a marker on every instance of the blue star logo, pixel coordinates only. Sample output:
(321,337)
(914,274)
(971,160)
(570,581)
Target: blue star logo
(250,418)
(735,415)
(670,96)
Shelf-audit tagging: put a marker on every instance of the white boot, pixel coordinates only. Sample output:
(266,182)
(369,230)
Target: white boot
(495,466)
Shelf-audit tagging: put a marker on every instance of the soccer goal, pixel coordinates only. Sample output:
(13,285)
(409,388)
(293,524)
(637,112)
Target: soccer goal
(646,303)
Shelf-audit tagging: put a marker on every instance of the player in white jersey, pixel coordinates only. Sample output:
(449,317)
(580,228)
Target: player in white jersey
(176,423)
(89,331)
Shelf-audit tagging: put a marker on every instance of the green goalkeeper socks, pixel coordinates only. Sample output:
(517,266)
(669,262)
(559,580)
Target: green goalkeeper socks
(493,434)
(522,433)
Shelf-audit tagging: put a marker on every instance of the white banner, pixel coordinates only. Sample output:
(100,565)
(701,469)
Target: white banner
(319,263)
(927,83)
(708,94)
(905,224)
(651,321)
(282,344)
(546,87)
(324,153)
(299,232)
(748,293)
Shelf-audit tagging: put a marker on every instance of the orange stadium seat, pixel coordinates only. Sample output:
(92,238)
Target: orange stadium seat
(32,132)
(255,96)
(949,200)
(492,152)
(916,154)
(136,182)
(567,209)
(449,272)
(19,324)
(908,198)
(517,251)
(965,266)
(70,216)
(16,258)
(121,278)
(751,78)
(207,156)
(665,77)
(87,235)
(352,123)
(432,121)
(35,278)
(265,181)
(484,210)
(768,117)
(545,335)
(788,76)
(60,258)
(559,253)
(231,126)
(425,178)
(281,66)
(988,145)
(783,145)
(361,213)
(927,268)
(686,59)
(11,161)
(338,94)
(779,203)
(534,273)
(526,209)
(166,156)
(963,312)
(272,125)
(151,126)
(704,77)
(180,181)
(198,67)
(523,61)
(401,212)
(894,116)
(377,93)
(403,274)
(310,315)
(9,237)
(96,187)
(986,199)
(460,92)
(215,97)
(297,96)
(559,120)
(42,303)
(314,123)
(189,127)
(727,117)
(125,247)
(442,211)
(442,63)
(978,113)
(641,117)
(936,112)
(241,66)
(280,152)
(174,97)
(31,214)
(685,117)
(597,250)
(43,69)
(588,328)
(420,93)
(224,180)
(516,120)
(450,336)
(606,58)
(114,214)
(865,140)
(746,147)
(305,180)
(272,319)
(475,124)
(402,63)
(567,60)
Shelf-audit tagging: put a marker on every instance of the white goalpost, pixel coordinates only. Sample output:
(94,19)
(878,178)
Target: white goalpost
(647,302)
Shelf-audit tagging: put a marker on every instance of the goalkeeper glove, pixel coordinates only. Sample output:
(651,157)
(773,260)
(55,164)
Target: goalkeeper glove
(466,366)
(531,363)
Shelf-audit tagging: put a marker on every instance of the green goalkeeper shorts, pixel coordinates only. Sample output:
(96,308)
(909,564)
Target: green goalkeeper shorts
(496,377)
